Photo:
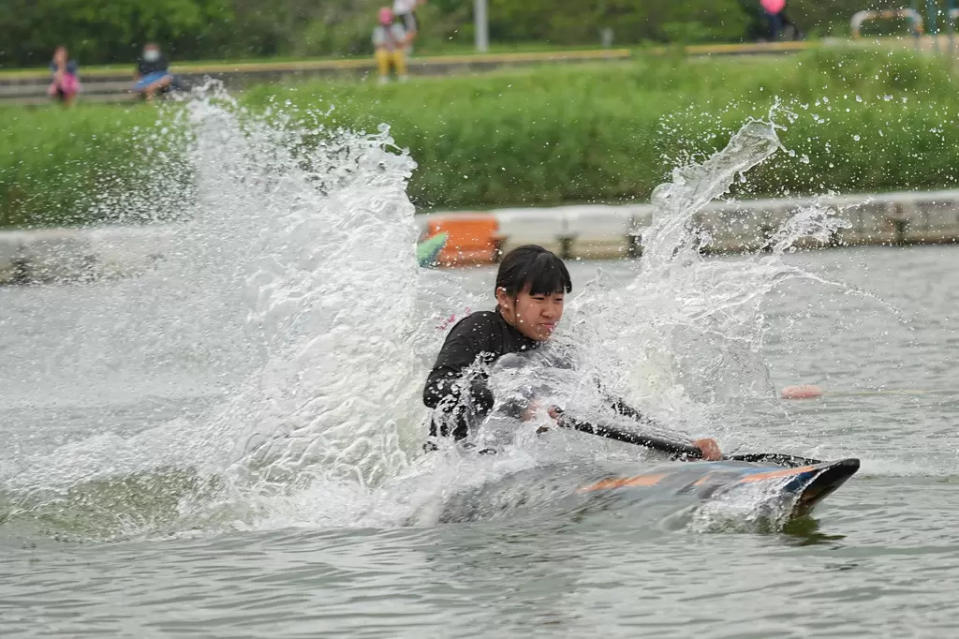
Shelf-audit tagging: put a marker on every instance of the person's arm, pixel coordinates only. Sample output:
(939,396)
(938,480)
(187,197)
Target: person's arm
(710,448)
(446,386)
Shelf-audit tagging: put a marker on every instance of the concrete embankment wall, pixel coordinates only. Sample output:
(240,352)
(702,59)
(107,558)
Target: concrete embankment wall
(598,232)
(63,255)
(584,231)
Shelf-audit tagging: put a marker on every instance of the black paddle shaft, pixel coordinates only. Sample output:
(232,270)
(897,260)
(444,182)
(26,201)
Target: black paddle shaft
(640,439)
(686,451)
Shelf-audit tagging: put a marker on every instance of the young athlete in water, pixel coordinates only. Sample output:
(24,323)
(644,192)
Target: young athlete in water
(530,287)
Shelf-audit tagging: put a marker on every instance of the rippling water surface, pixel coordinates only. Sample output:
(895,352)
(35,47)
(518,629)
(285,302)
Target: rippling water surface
(229,446)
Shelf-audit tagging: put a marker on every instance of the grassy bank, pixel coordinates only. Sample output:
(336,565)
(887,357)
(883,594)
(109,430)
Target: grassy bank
(855,121)
(859,121)
(90,164)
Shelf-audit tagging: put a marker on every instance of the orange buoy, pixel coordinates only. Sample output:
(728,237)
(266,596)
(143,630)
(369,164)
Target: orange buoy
(801,391)
(473,238)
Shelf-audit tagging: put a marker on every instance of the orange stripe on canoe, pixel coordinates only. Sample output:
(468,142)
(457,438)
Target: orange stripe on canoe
(638,480)
(702,480)
(773,474)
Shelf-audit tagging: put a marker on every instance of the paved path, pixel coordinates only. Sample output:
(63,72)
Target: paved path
(110,85)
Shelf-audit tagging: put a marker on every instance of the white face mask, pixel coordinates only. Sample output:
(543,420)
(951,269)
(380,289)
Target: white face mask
(151,55)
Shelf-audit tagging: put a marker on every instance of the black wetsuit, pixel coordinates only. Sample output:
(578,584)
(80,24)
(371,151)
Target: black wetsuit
(463,400)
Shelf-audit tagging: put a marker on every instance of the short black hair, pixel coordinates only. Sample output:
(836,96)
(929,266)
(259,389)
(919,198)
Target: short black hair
(533,266)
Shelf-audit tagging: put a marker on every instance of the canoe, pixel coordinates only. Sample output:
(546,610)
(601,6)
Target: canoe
(791,490)
(807,484)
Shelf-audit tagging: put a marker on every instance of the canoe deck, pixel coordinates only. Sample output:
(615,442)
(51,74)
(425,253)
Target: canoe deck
(791,491)
(808,483)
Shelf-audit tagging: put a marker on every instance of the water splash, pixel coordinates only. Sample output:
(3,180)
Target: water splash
(300,246)
(686,334)
(758,508)
(297,276)
(672,237)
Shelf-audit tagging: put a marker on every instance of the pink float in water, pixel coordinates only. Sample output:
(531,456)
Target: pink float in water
(801,391)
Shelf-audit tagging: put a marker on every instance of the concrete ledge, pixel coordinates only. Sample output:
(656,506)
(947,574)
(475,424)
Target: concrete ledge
(574,231)
(57,255)
(11,246)
(70,255)
(578,231)
(891,219)
(598,231)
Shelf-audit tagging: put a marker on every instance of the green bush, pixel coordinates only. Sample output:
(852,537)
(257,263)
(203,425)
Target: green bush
(856,121)
(612,132)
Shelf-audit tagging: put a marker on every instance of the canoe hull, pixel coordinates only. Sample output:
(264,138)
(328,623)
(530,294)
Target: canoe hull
(793,491)
(808,483)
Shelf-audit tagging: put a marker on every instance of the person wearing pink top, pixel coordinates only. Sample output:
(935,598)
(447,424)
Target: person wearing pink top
(775,11)
(64,85)
(404,12)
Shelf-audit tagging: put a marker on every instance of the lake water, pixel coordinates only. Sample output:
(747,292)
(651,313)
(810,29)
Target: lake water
(229,446)
(882,558)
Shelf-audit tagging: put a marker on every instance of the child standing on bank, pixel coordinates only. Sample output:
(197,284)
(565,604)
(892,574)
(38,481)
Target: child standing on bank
(389,38)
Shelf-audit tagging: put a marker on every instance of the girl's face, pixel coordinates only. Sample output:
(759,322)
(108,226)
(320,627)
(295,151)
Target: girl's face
(535,316)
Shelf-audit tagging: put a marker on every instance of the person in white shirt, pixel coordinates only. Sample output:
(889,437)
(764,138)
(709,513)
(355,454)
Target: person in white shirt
(389,38)
(405,13)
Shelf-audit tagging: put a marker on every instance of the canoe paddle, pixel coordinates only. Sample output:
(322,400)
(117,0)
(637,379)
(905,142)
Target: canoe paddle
(640,439)
(683,451)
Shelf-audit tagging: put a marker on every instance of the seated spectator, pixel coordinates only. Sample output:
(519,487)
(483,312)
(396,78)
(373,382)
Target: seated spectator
(780,26)
(389,38)
(152,75)
(64,85)
(773,9)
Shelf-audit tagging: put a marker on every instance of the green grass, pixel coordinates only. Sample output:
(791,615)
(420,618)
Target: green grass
(603,132)
(73,167)
(611,132)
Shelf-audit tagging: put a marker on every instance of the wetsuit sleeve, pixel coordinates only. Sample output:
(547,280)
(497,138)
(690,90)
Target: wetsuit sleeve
(468,340)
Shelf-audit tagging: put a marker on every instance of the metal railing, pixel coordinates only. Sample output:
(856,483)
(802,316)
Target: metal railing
(934,13)
(861,17)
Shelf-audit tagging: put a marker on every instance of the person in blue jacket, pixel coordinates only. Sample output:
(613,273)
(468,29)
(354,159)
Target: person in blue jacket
(153,72)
